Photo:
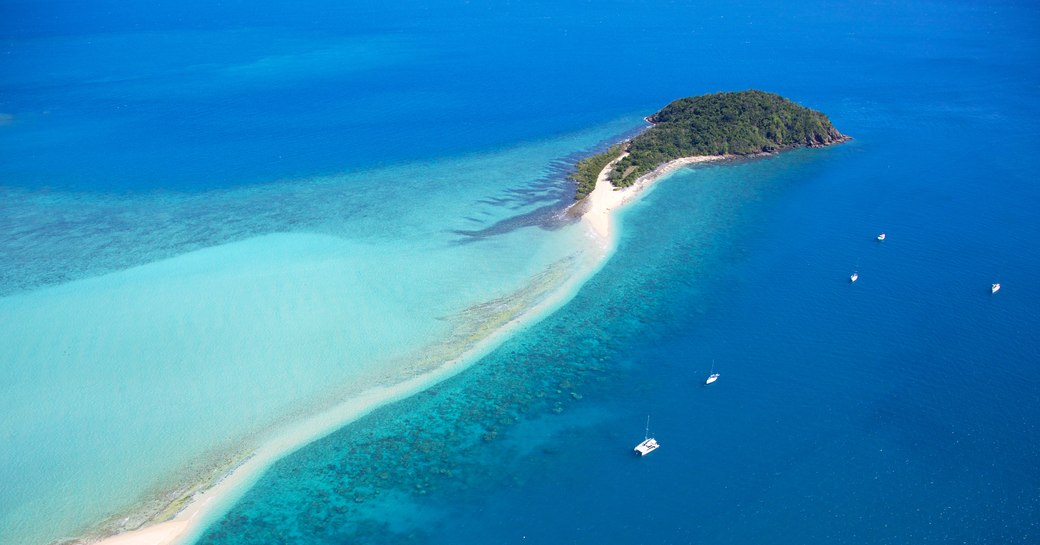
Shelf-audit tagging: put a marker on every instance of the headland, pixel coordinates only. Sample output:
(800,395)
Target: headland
(688,131)
(738,124)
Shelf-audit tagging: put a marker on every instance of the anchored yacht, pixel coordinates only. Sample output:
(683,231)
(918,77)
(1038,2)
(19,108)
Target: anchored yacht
(649,444)
(713,376)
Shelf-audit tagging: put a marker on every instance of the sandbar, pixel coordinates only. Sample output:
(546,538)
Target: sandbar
(202,508)
(599,208)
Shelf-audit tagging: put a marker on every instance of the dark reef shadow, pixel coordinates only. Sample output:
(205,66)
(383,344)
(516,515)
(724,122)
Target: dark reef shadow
(554,191)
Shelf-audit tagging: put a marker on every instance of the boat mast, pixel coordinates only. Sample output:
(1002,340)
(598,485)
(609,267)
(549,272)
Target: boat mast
(647,434)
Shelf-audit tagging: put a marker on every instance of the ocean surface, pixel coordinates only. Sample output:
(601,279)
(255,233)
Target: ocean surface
(220,219)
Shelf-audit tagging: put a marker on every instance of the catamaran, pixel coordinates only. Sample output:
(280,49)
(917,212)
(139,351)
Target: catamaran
(713,376)
(649,444)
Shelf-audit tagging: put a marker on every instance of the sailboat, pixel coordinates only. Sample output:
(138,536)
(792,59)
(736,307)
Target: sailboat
(713,376)
(649,444)
(994,288)
(881,237)
(854,277)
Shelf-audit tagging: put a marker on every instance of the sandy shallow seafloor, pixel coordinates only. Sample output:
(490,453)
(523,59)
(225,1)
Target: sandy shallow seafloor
(598,214)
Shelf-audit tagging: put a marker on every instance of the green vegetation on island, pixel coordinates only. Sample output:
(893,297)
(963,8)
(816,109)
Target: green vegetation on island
(588,169)
(741,123)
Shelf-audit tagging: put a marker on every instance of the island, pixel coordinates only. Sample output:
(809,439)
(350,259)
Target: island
(719,125)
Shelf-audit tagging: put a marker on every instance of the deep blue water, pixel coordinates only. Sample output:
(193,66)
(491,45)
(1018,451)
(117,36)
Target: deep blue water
(901,409)
(194,95)
(198,95)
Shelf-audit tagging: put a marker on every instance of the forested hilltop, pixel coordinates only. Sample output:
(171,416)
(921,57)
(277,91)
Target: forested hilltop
(741,123)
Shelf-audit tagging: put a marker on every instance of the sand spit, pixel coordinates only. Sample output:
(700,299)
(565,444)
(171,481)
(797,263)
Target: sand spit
(597,213)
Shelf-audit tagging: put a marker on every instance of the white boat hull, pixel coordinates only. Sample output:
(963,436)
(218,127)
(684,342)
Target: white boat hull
(647,446)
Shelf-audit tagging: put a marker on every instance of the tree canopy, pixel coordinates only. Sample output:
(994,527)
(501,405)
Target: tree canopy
(733,123)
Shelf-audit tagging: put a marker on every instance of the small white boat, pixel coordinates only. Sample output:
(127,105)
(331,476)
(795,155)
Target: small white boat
(713,376)
(649,444)
(994,288)
(854,277)
(881,236)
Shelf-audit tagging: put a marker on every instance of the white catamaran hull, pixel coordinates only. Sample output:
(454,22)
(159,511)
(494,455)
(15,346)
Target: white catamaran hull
(647,446)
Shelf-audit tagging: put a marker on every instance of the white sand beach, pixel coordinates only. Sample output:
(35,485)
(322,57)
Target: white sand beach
(605,199)
(165,532)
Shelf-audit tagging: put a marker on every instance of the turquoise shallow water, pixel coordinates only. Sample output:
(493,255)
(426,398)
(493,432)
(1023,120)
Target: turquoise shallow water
(150,378)
(287,203)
